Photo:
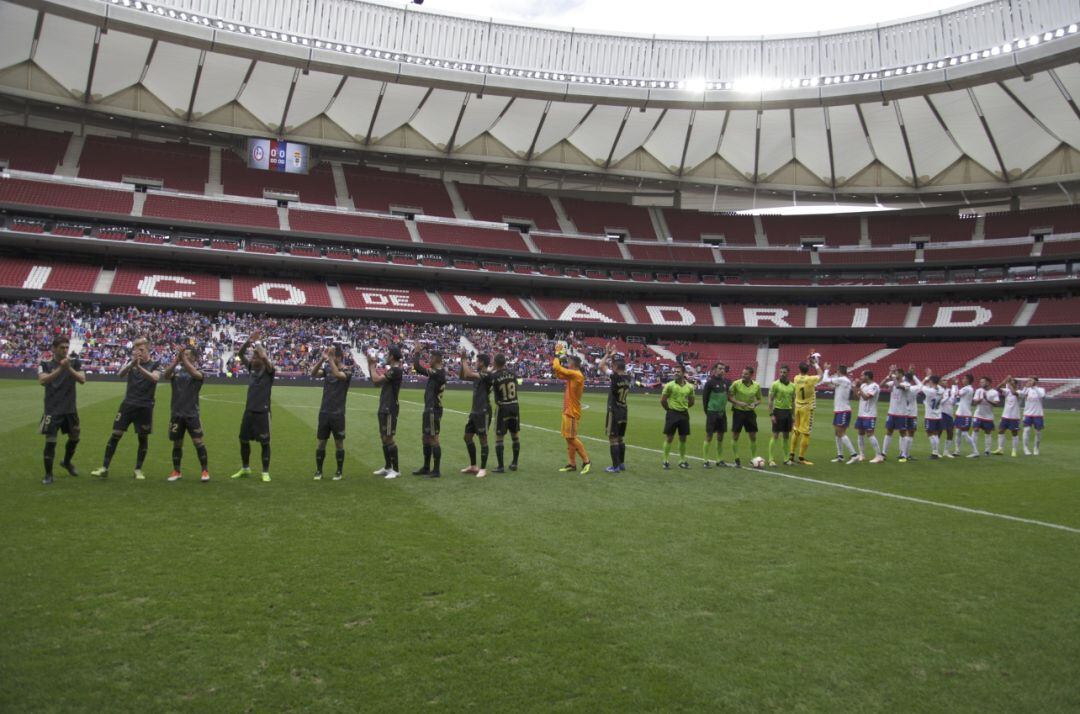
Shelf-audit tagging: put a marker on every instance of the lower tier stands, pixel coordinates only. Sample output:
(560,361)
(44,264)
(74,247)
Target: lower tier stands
(1046,359)
(941,360)
(834,355)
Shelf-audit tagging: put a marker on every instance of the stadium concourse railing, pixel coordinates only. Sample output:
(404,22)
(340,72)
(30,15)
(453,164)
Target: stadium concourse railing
(913,259)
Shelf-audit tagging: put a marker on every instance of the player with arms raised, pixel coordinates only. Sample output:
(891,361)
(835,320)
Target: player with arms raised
(59,375)
(933,398)
(480,412)
(336,379)
(1010,415)
(186,379)
(137,409)
(618,410)
(964,397)
(571,414)
(866,422)
(431,422)
(1033,396)
(841,385)
(255,423)
(507,413)
(984,400)
(389,381)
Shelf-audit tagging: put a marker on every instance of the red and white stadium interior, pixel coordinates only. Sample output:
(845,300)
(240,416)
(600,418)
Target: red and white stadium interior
(620,201)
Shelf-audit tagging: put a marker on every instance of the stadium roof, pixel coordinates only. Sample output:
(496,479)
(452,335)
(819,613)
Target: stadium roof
(983,96)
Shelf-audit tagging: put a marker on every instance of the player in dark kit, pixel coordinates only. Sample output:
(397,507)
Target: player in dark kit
(618,411)
(507,413)
(59,376)
(187,381)
(137,409)
(480,414)
(255,424)
(433,411)
(390,379)
(336,380)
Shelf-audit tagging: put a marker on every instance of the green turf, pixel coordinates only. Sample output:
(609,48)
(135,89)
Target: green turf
(533,591)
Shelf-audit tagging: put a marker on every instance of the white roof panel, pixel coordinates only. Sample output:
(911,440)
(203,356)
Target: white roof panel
(666,142)
(120,62)
(1043,98)
(518,126)
(931,148)
(885,136)
(437,117)
(171,74)
(16,33)
(480,115)
(312,94)
(398,105)
(811,143)
(354,105)
(266,91)
(704,137)
(776,147)
(1020,139)
(639,126)
(221,78)
(959,115)
(597,133)
(851,152)
(737,146)
(561,119)
(64,51)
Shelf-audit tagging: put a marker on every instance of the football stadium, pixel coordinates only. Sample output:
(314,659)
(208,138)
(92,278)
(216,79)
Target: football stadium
(388,356)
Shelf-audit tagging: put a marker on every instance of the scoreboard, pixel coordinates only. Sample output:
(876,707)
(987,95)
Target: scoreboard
(274,155)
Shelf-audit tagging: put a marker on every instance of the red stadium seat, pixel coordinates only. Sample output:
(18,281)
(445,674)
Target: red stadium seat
(602,217)
(178,166)
(196,210)
(486,203)
(317,186)
(67,196)
(348,224)
(375,190)
(37,150)
(165,283)
(692,226)
(471,236)
(586,247)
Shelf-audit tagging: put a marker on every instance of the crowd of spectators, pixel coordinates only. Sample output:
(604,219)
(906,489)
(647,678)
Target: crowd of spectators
(102,336)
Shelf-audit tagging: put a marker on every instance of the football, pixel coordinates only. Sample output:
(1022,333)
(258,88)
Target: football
(815,357)
(560,347)
(757,462)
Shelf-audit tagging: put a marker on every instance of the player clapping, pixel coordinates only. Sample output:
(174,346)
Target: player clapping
(255,423)
(431,421)
(1010,415)
(480,414)
(336,381)
(1033,395)
(59,375)
(389,379)
(984,400)
(187,380)
(137,409)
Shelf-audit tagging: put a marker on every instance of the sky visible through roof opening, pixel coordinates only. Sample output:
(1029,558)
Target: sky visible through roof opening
(692,17)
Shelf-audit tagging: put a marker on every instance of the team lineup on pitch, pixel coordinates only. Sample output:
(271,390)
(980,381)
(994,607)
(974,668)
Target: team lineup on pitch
(953,412)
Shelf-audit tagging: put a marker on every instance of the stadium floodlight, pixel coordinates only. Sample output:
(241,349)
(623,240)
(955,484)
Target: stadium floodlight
(1033,40)
(1059,32)
(1048,36)
(1072,29)
(1007,47)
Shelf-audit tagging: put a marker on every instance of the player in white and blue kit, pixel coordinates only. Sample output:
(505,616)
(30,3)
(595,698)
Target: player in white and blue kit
(896,420)
(911,413)
(984,400)
(1033,394)
(1010,415)
(867,391)
(841,411)
(933,397)
(964,397)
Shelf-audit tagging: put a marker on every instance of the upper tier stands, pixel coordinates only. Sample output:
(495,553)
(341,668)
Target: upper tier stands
(347,224)
(207,211)
(974,254)
(65,196)
(1061,247)
(855,316)
(888,229)
(486,203)
(1022,223)
(585,247)
(375,190)
(750,256)
(667,253)
(692,226)
(877,255)
(317,186)
(601,217)
(27,149)
(791,230)
(939,314)
(178,166)
(472,236)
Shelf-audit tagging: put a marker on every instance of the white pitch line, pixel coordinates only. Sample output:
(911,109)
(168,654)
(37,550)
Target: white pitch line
(780,474)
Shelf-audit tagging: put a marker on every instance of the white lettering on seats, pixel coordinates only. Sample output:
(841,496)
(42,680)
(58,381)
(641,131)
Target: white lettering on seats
(295,296)
(148,286)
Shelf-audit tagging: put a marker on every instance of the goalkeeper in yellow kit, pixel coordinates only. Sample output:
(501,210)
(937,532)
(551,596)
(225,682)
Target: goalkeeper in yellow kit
(805,400)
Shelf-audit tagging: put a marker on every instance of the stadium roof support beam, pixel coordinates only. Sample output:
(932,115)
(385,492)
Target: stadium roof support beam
(618,135)
(1064,92)
(93,66)
(375,114)
(907,144)
(829,144)
(757,143)
(38,22)
(536,134)
(195,86)
(989,135)
(150,58)
(1027,110)
(336,94)
(686,142)
(457,122)
(288,100)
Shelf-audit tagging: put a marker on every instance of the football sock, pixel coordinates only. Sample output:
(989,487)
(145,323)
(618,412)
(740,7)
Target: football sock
(772,443)
(885,444)
(839,446)
(320,457)
(580,448)
(804,445)
(392,451)
(427,456)
(862,444)
(140,453)
(177,455)
(339,456)
(436,456)
(265,456)
(1001,440)
(988,440)
(386,457)
(682,450)
(245,454)
(200,450)
(50,455)
(614,449)
(905,446)
(874,443)
(753,448)
(795,438)
(846,441)
(110,449)
(971,440)
(69,450)
(1038,438)
(471,448)
(499,452)
(667,450)
(705,450)
(950,445)
(934,441)
(571,453)
(483,456)
(515,450)
(1027,430)
(1014,440)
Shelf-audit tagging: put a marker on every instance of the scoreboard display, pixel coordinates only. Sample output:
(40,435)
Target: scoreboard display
(273,155)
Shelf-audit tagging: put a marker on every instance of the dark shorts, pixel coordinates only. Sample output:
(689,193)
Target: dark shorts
(255,426)
(178,426)
(387,424)
(784,422)
(51,424)
(141,417)
(432,422)
(743,421)
(677,422)
(508,419)
(616,422)
(330,424)
(715,423)
(478,423)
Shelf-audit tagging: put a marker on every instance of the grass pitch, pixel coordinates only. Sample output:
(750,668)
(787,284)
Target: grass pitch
(531,591)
